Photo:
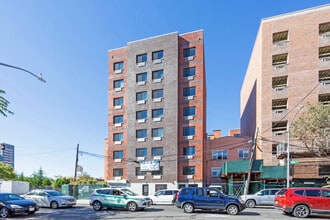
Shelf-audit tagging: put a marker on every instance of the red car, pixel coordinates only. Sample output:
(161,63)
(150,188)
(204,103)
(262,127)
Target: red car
(301,202)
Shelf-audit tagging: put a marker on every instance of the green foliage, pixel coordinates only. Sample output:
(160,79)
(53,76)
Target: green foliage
(313,129)
(62,181)
(7,172)
(4,104)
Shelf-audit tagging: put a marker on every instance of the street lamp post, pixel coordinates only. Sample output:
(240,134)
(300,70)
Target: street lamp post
(19,68)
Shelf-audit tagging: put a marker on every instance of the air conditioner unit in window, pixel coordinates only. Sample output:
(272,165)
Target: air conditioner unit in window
(141,177)
(157,177)
(118,89)
(157,99)
(140,158)
(191,97)
(157,157)
(141,121)
(141,64)
(141,83)
(117,177)
(118,124)
(117,142)
(139,102)
(189,156)
(141,139)
(189,117)
(189,78)
(190,137)
(157,119)
(189,176)
(157,138)
(190,58)
(118,71)
(157,61)
(157,80)
(117,106)
(117,160)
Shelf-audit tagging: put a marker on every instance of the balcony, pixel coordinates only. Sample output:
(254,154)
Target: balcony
(324,34)
(324,57)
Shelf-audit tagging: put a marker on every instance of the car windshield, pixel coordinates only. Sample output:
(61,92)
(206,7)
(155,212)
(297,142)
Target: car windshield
(10,197)
(129,192)
(54,193)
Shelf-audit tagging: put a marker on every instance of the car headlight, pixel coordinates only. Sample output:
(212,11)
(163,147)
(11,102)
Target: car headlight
(15,206)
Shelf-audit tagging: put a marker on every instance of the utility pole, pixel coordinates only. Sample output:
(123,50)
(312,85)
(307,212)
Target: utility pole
(75,174)
(247,184)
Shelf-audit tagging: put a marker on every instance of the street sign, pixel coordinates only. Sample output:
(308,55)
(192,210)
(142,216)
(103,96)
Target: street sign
(294,162)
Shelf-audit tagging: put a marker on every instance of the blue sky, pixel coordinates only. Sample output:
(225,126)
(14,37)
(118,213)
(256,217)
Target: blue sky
(68,41)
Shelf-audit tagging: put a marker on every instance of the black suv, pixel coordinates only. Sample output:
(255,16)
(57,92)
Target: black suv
(191,198)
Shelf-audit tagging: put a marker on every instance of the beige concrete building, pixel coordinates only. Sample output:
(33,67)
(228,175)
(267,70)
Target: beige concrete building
(289,66)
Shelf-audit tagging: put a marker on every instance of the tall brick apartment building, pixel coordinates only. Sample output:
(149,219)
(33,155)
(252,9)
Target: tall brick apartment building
(289,66)
(156,113)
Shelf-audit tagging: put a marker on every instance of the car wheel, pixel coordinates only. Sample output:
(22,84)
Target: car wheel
(54,205)
(232,210)
(151,202)
(250,203)
(97,205)
(131,206)
(4,212)
(301,211)
(188,208)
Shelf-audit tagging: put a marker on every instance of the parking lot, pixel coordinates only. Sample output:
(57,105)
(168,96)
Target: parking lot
(84,211)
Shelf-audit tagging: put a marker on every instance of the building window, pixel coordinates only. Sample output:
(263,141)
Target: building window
(141,97)
(141,115)
(157,113)
(189,72)
(189,150)
(118,67)
(118,154)
(189,111)
(219,155)
(189,92)
(243,153)
(138,172)
(118,119)
(158,172)
(160,187)
(157,151)
(141,78)
(280,59)
(141,152)
(142,58)
(157,75)
(157,133)
(157,95)
(118,136)
(142,133)
(189,131)
(216,172)
(118,101)
(118,84)
(189,170)
(280,38)
(157,55)
(118,172)
(189,52)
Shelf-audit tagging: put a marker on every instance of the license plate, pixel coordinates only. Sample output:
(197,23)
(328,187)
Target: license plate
(31,209)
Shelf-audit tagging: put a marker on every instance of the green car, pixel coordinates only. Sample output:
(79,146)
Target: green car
(118,198)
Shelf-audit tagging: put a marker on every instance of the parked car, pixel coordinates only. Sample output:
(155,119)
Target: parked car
(191,198)
(301,202)
(50,198)
(326,186)
(13,204)
(165,196)
(118,198)
(263,197)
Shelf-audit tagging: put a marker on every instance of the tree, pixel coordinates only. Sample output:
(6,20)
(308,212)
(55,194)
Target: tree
(7,172)
(4,104)
(312,128)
